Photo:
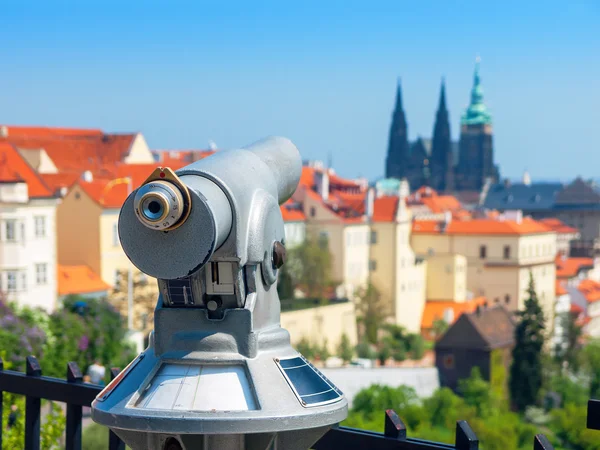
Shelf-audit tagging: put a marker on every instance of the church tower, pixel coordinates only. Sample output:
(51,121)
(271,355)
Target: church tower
(397,154)
(442,159)
(476,153)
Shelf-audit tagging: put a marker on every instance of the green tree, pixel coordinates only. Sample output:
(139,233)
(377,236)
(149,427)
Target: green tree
(591,358)
(305,348)
(372,311)
(478,393)
(309,266)
(439,327)
(345,350)
(569,350)
(285,284)
(526,369)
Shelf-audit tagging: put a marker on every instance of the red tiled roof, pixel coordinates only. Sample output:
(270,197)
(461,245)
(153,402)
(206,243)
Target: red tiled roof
(14,168)
(176,157)
(590,290)
(570,267)
(480,226)
(434,310)
(558,226)
(72,150)
(435,202)
(79,280)
(385,208)
(576,309)
(292,212)
(55,181)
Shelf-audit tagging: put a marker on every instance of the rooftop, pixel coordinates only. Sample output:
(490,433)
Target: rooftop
(79,279)
(570,267)
(14,169)
(480,227)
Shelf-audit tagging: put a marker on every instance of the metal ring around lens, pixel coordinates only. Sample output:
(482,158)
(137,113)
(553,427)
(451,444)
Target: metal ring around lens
(168,196)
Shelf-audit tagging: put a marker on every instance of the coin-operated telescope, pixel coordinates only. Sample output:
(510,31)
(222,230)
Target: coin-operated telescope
(219,371)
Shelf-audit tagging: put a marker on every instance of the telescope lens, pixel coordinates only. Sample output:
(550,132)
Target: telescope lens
(159,205)
(153,209)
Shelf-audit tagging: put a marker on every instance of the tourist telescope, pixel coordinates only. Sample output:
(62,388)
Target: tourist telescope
(219,371)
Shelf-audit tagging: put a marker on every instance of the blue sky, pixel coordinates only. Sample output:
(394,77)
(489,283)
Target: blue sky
(320,73)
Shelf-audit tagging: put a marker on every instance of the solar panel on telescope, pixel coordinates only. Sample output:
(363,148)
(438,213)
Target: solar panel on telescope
(310,386)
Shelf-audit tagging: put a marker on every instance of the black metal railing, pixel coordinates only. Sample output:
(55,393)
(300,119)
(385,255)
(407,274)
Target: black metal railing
(76,394)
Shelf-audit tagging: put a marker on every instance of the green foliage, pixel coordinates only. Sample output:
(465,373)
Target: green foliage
(401,345)
(51,429)
(377,398)
(591,354)
(439,327)
(313,351)
(569,351)
(498,379)
(309,266)
(345,350)
(285,284)
(372,312)
(20,335)
(478,393)
(569,426)
(365,350)
(526,370)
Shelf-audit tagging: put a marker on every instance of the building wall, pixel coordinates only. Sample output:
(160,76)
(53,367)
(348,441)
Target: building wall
(456,364)
(447,278)
(139,153)
(112,256)
(356,257)
(410,277)
(78,230)
(501,279)
(323,323)
(28,253)
(587,222)
(334,232)
(383,264)
(295,233)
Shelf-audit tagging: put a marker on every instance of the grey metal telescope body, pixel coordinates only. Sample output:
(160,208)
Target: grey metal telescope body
(219,371)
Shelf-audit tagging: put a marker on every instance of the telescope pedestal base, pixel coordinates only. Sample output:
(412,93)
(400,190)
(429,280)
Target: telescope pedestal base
(286,440)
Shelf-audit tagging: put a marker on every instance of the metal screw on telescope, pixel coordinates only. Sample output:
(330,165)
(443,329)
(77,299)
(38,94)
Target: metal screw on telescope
(279,255)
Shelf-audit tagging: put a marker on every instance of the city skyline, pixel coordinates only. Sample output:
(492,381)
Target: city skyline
(323,76)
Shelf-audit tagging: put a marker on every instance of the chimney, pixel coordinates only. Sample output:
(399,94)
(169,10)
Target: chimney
(369,203)
(324,186)
(87,176)
(3,131)
(526,179)
(506,183)
(447,220)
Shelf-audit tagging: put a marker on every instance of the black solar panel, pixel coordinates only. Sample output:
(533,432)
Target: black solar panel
(310,386)
(180,292)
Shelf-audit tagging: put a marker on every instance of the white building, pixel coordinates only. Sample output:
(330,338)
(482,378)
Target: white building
(27,234)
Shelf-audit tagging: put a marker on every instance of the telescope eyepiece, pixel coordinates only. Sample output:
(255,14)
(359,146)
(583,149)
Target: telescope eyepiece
(159,205)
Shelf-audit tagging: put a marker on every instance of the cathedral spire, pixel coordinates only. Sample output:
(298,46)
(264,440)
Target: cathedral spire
(398,106)
(397,154)
(442,103)
(477,113)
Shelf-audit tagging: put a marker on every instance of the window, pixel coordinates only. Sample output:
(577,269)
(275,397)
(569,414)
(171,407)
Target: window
(449,361)
(41,273)
(507,252)
(11,281)
(373,237)
(23,281)
(22,232)
(507,299)
(482,252)
(313,211)
(115,235)
(372,265)
(10,229)
(40,226)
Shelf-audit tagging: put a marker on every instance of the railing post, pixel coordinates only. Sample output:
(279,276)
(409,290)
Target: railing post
(541,442)
(1,404)
(32,408)
(74,412)
(593,414)
(394,427)
(465,437)
(114,442)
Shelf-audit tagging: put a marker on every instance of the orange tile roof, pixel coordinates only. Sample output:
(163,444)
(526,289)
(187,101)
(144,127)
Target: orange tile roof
(167,157)
(560,289)
(434,310)
(55,181)
(570,267)
(14,168)
(292,212)
(590,290)
(480,226)
(384,209)
(72,150)
(435,202)
(558,226)
(576,309)
(79,280)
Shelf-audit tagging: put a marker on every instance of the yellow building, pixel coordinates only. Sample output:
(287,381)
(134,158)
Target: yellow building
(396,272)
(500,254)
